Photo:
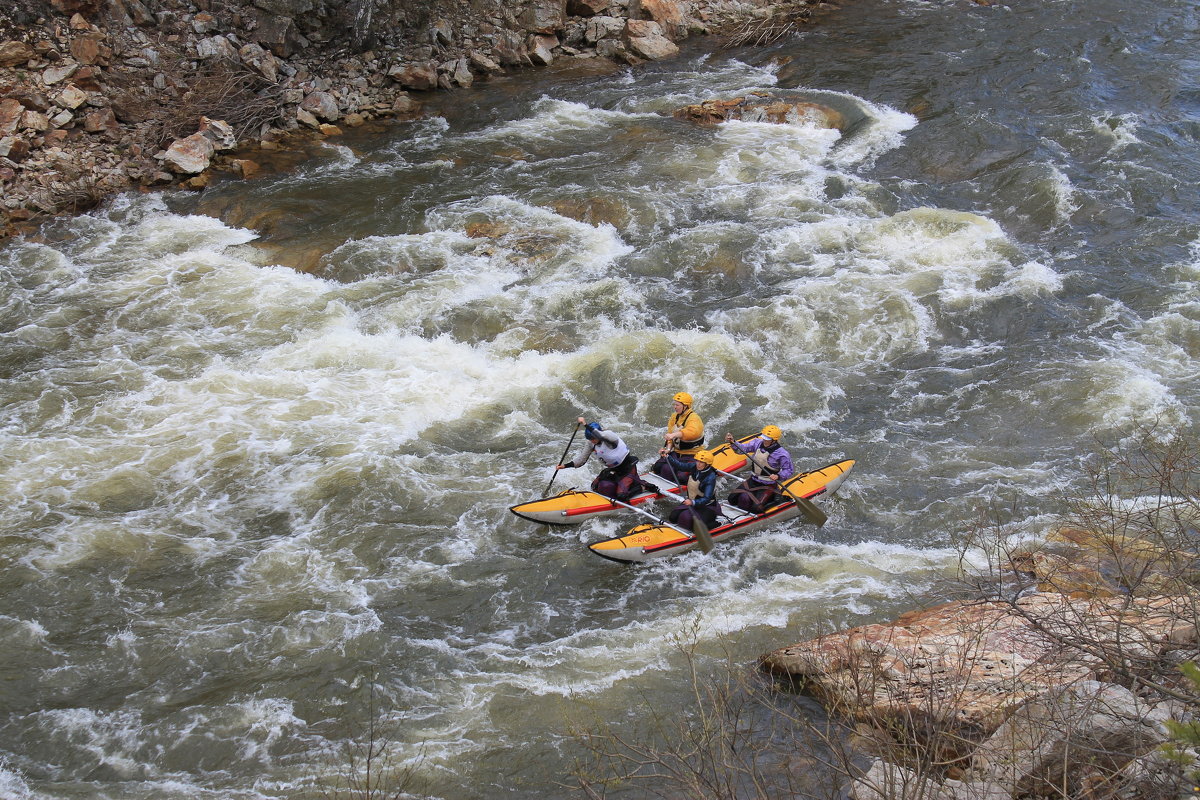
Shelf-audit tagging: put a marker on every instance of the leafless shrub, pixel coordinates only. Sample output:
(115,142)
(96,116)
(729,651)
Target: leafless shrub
(763,31)
(368,766)
(76,196)
(217,88)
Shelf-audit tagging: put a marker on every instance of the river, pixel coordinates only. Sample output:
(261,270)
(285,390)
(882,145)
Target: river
(235,494)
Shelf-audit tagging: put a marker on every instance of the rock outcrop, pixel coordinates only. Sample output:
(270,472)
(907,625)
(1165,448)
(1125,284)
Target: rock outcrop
(1004,695)
(97,96)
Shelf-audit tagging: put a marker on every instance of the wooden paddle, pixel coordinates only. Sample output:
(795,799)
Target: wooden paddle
(700,531)
(566,450)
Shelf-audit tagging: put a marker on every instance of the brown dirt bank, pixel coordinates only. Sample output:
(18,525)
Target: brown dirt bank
(103,96)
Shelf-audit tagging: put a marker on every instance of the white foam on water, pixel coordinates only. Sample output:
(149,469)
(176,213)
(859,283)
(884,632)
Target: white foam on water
(552,119)
(742,583)
(1124,394)
(1119,129)
(871,289)
(22,632)
(111,739)
(884,131)
(345,156)
(666,92)
(1063,192)
(260,725)
(12,782)
(766,147)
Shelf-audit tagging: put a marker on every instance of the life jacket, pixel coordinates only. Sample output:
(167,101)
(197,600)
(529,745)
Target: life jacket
(685,446)
(759,459)
(699,481)
(612,455)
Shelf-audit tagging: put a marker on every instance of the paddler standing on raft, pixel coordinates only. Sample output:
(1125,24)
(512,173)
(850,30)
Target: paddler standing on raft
(683,439)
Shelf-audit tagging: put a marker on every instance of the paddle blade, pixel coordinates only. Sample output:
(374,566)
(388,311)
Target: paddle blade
(810,511)
(700,531)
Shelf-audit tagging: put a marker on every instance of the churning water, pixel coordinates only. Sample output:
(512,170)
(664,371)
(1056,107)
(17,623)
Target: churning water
(234,493)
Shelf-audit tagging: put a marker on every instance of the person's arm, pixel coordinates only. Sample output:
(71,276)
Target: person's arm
(783,465)
(582,458)
(708,488)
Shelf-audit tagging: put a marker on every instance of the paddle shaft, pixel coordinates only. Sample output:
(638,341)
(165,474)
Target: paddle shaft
(645,513)
(566,450)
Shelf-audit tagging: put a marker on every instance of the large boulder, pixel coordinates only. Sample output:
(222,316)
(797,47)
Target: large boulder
(217,47)
(219,132)
(1034,750)
(279,35)
(645,39)
(131,12)
(884,781)
(190,155)
(10,115)
(543,16)
(587,8)
(59,73)
(417,77)
(90,49)
(541,49)
(14,53)
(602,28)
(509,48)
(967,667)
(254,56)
(671,15)
(321,105)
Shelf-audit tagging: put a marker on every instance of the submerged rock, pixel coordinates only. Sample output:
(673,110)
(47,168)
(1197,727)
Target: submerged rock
(763,108)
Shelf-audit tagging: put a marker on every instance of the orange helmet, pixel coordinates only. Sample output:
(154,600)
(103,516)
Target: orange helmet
(705,457)
(683,397)
(772,432)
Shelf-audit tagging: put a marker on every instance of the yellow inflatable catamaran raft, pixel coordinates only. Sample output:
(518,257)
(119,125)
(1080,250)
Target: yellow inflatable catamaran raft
(650,541)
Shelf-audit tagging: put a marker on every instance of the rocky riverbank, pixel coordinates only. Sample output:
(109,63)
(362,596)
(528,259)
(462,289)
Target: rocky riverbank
(1065,683)
(101,96)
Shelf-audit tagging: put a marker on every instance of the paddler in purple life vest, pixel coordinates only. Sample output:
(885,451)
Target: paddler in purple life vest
(770,462)
(701,500)
(683,439)
(619,478)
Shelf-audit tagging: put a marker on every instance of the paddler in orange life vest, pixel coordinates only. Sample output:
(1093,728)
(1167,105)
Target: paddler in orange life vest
(770,462)
(619,478)
(701,500)
(683,439)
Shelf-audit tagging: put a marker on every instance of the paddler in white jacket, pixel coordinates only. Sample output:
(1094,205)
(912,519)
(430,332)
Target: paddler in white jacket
(619,478)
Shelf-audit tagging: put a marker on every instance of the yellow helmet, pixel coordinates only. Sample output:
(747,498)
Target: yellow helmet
(683,397)
(705,457)
(772,432)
